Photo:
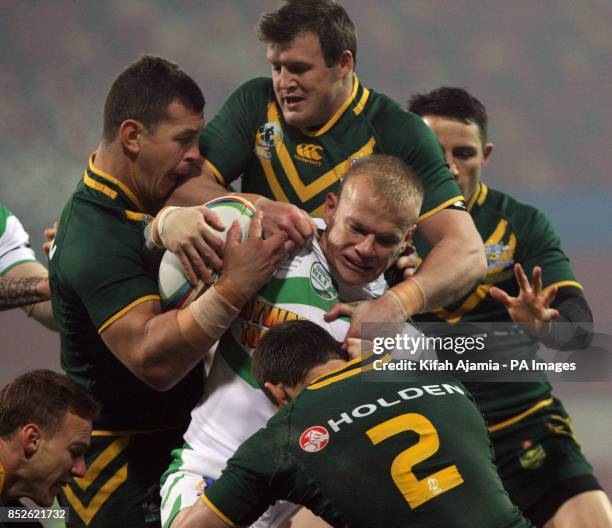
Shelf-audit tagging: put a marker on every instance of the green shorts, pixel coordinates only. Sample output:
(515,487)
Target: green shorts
(121,485)
(540,461)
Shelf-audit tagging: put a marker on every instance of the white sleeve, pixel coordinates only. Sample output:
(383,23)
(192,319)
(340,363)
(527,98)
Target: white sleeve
(14,243)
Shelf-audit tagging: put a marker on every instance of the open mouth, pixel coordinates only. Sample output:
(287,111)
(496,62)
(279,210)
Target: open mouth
(292,101)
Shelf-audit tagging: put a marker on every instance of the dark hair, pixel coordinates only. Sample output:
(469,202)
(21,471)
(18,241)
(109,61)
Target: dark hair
(144,90)
(455,103)
(288,351)
(391,181)
(325,18)
(42,397)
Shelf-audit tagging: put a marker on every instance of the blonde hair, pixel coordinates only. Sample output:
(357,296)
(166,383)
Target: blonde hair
(392,182)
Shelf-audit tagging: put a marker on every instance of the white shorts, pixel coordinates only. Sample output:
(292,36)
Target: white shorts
(184,482)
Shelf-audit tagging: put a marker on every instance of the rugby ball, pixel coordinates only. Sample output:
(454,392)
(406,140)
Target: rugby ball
(175,289)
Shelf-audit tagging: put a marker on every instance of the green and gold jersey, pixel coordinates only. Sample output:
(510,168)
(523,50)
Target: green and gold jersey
(249,137)
(369,454)
(98,271)
(512,232)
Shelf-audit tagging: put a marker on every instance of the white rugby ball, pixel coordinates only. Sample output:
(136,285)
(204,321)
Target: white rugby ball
(175,289)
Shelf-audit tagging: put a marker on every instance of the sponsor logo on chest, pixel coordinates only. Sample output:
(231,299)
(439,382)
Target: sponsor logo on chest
(309,153)
(321,282)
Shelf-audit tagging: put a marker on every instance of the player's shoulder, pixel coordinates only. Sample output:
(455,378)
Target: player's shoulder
(382,109)
(7,225)
(258,88)
(518,213)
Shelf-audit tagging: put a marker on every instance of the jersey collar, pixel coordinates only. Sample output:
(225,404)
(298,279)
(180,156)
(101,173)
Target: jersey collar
(479,197)
(357,89)
(106,189)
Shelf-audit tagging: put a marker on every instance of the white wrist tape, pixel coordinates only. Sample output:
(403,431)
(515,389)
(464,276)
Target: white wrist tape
(213,313)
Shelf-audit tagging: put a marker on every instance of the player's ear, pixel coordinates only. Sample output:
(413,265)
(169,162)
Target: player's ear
(488,148)
(129,131)
(278,392)
(346,64)
(30,439)
(331,205)
(409,234)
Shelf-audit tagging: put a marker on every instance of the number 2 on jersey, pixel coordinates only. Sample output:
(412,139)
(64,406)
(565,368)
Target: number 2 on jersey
(415,491)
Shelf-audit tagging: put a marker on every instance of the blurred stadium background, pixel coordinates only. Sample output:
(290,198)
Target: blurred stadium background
(541,68)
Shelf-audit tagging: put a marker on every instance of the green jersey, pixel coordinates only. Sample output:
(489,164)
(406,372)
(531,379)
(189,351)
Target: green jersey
(98,271)
(249,137)
(371,454)
(511,232)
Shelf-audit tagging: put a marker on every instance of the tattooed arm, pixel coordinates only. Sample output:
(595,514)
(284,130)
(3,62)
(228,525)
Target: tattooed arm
(25,286)
(20,291)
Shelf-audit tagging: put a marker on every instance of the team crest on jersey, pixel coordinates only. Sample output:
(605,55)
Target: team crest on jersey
(533,456)
(321,282)
(314,439)
(499,257)
(266,138)
(309,153)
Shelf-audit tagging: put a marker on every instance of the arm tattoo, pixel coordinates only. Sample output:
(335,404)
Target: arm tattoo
(20,291)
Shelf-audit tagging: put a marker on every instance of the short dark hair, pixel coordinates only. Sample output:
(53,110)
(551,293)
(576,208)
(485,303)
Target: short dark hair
(325,18)
(144,90)
(455,103)
(391,181)
(42,397)
(288,351)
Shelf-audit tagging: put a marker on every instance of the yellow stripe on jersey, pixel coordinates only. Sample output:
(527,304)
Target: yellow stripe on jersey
(477,296)
(133,215)
(217,511)
(443,205)
(128,432)
(561,284)
(125,310)
(337,115)
(484,191)
(215,171)
(86,513)
(90,182)
(519,417)
(350,363)
(362,102)
(103,460)
(334,379)
(479,196)
(126,190)
(304,192)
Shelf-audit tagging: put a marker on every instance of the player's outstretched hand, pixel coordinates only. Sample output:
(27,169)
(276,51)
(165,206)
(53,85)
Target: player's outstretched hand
(189,232)
(279,216)
(251,263)
(532,305)
(385,309)
(49,236)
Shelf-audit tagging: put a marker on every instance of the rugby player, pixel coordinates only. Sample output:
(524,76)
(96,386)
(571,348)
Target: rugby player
(361,454)
(368,224)
(537,454)
(292,137)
